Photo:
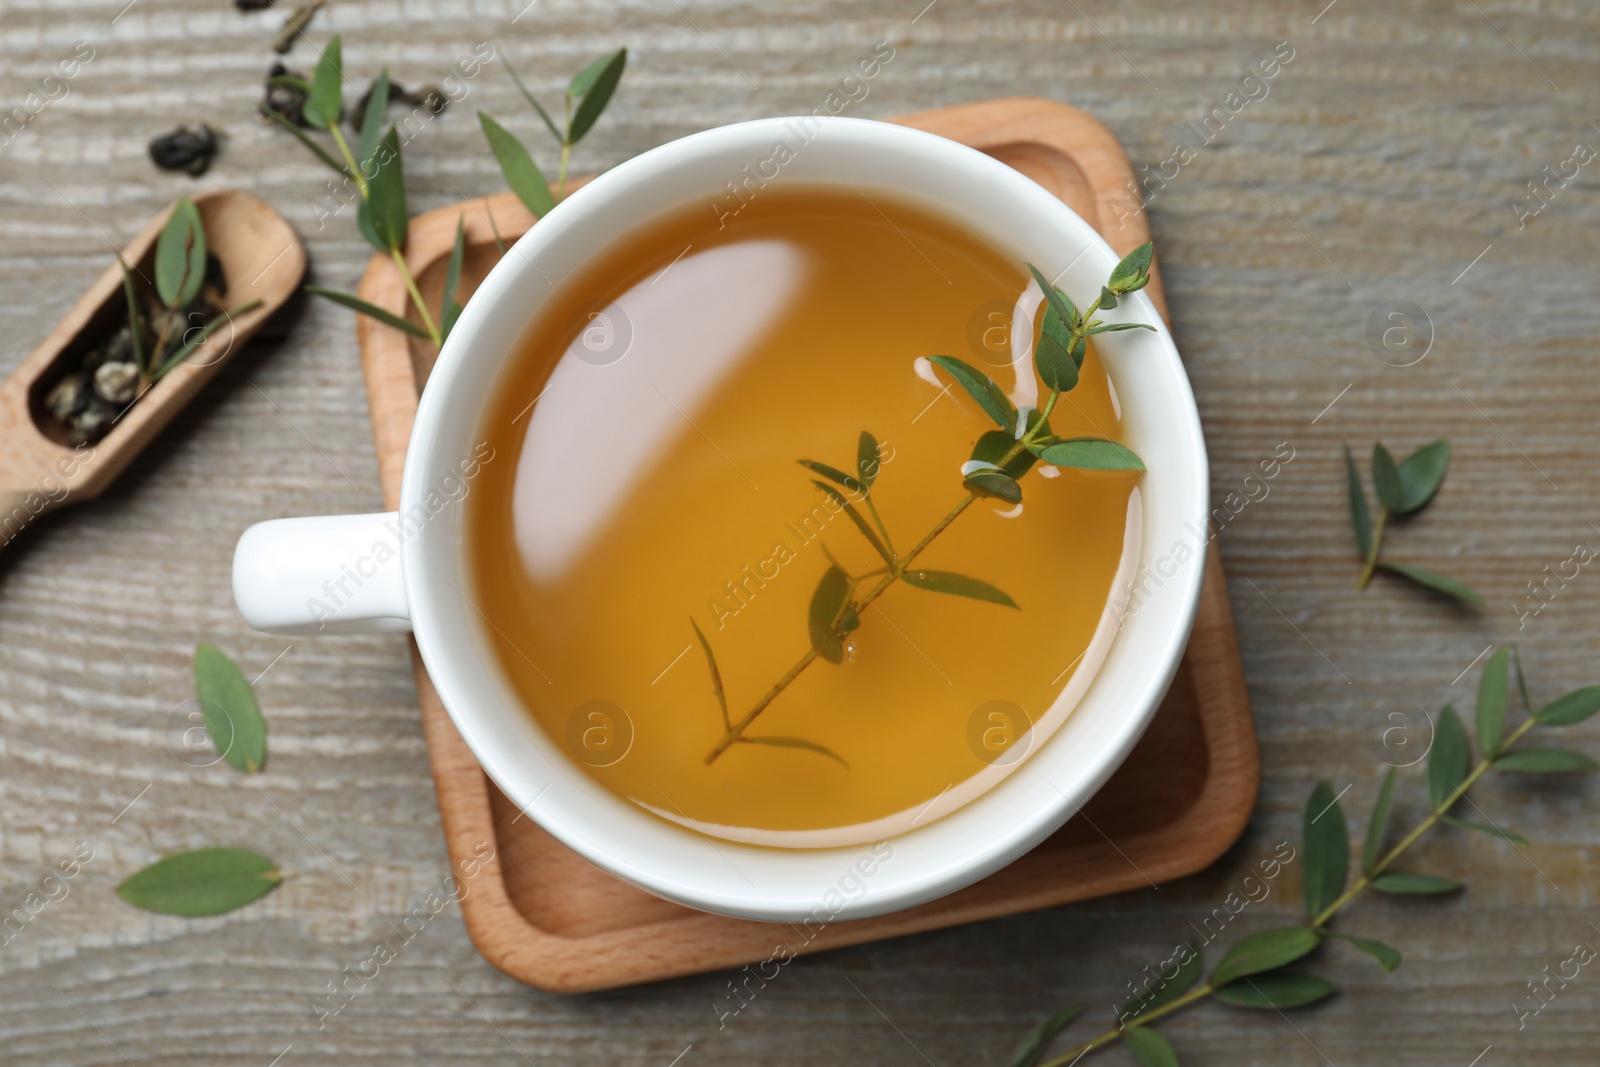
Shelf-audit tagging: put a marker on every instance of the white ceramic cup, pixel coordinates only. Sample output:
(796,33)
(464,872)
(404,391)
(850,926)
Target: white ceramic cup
(389,572)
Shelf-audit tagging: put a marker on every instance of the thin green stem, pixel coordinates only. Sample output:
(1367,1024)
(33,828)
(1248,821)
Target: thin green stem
(736,731)
(1321,919)
(566,147)
(416,296)
(349,159)
(1377,543)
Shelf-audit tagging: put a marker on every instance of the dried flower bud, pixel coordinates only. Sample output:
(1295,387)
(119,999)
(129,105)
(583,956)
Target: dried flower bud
(116,383)
(252,5)
(186,150)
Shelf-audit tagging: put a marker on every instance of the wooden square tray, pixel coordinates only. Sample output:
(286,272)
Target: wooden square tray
(545,916)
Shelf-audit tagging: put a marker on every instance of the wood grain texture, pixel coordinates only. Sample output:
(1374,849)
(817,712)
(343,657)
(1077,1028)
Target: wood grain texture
(542,914)
(1380,164)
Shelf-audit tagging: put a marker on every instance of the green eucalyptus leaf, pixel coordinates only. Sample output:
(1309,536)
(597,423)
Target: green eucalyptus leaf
(1327,849)
(206,881)
(1278,991)
(593,87)
(386,194)
(1091,453)
(1522,683)
(1108,299)
(181,256)
(1133,272)
(1149,1047)
(449,306)
(796,742)
(1493,688)
(1544,761)
(1421,474)
(828,605)
(860,523)
(993,445)
(322,107)
(1484,828)
(833,474)
(1570,709)
(1379,824)
(997,484)
(990,397)
(1439,583)
(1065,310)
(232,717)
(1056,367)
(1388,957)
(1037,1042)
(521,172)
(1407,883)
(868,458)
(1386,478)
(1191,965)
(355,303)
(372,122)
(1117,327)
(957,585)
(1360,517)
(1448,758)
(543,114)
(1266,950)
(716,675)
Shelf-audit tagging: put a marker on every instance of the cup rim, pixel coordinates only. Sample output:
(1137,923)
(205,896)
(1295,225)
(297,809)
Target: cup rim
(931,860)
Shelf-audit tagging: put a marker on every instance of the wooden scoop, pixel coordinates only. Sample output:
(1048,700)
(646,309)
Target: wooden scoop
(262,260)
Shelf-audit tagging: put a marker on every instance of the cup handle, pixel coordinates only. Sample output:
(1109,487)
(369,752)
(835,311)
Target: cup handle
(328,574)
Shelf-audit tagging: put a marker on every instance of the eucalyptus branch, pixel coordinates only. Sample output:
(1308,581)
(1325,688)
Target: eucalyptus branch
(1251,975)
(999,460)
(1403,490)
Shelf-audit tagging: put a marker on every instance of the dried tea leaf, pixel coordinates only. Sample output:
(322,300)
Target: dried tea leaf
(1276,991)
(1544,761)
(1447,759)
(294,26)
(1327,849)
(228,703)
(206,881)
(957,585)
(1265,951)
(186,149)
(194,338)
(1037,1042)
(521,172)
(593,87)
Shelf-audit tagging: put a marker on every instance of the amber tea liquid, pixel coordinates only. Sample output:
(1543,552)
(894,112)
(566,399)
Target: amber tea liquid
(679,377)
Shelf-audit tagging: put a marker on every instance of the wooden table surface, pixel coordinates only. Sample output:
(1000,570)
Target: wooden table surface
(1383,162)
